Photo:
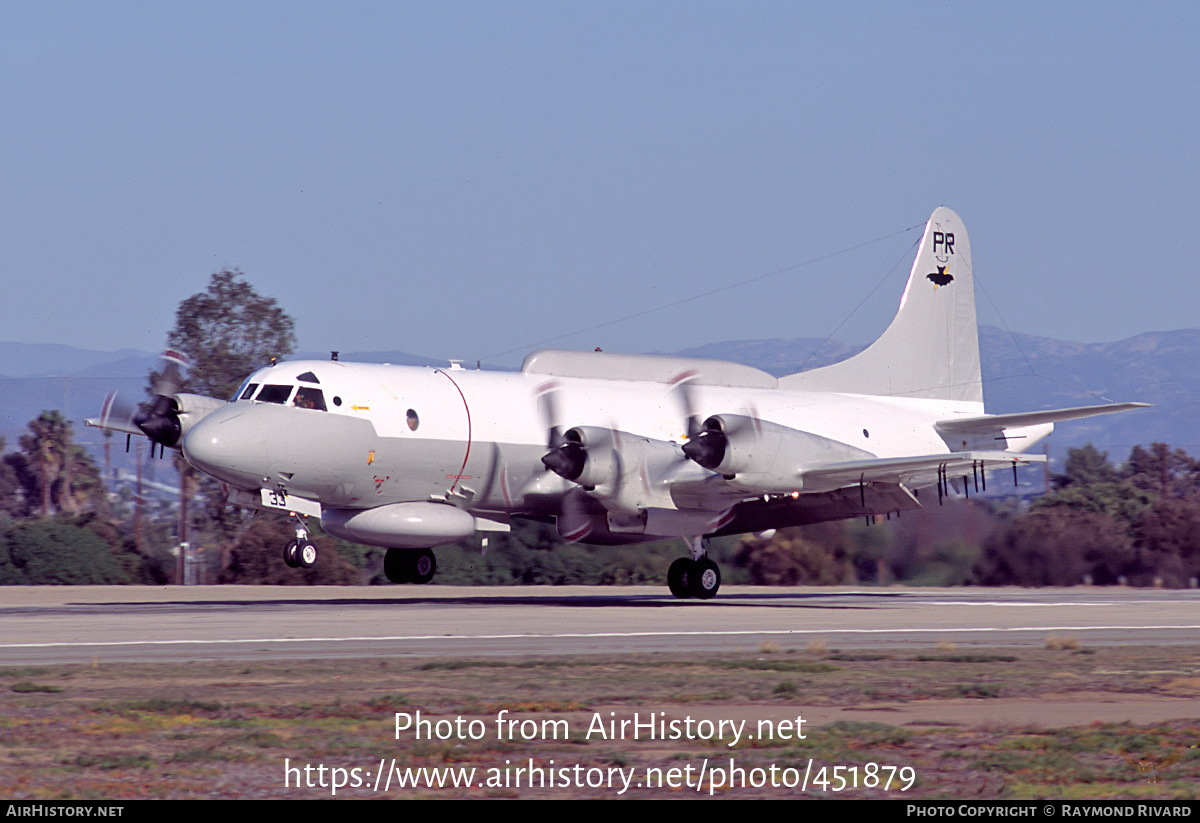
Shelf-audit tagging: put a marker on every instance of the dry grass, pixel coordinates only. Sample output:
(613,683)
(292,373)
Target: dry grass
(224,730)
(1065,642)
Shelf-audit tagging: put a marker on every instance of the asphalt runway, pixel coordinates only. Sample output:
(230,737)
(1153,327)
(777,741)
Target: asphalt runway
(69,624)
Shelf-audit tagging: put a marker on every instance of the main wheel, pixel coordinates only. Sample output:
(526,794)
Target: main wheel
(424,566)
(706,579)
(678,575)
(397,566)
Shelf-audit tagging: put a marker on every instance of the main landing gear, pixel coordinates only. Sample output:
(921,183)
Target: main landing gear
(409,565)
(301,553)
(694,576)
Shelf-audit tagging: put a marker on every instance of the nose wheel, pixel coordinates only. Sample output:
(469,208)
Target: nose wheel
(300,553)
(694,576)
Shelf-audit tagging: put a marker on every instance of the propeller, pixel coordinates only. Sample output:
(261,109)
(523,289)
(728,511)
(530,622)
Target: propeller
(568,458)
(712,447)
(170,379)
(706,442)
(575,522)
(708,446)
(566,455)
(157,419)
(548,406)
(683,384)
(117,413)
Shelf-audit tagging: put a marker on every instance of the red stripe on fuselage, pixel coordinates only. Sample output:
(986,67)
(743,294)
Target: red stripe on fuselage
(467,408)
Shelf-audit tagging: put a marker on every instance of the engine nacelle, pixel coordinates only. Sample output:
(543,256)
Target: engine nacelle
(169,418)
(592,453)
(760,454)
(733,444)
(192,408)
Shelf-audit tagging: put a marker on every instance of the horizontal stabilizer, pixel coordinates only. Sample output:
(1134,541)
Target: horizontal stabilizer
(913,472)
(992,423)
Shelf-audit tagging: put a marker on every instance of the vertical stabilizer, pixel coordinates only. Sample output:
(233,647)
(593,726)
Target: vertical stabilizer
(931,348)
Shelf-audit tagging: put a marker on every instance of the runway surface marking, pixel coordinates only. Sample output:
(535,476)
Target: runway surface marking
(590,635)
(1024,604)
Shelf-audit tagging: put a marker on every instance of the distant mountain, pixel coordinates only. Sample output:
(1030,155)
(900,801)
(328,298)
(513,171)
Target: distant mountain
(1021,372)
(51,359)
(35,377)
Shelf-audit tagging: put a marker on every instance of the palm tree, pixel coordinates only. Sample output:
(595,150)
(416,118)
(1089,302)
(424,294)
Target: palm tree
(67,478)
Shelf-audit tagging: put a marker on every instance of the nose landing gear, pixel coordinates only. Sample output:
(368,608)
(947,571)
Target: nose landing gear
(300,553)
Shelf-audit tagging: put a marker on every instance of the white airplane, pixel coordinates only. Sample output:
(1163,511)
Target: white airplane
(614,448)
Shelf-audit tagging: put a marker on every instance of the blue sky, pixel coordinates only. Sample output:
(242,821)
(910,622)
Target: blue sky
(470,179)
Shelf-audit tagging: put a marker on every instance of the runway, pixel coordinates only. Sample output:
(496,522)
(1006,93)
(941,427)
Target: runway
(45,625)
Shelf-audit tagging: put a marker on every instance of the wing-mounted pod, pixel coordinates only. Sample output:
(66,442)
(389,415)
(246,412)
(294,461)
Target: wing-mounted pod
(415,525)
(757,454)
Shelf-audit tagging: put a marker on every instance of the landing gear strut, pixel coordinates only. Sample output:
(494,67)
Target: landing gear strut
(694,576)
(300,553)
(409,566)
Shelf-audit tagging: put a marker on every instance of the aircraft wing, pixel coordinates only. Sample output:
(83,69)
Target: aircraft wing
(912,472)
(993,423)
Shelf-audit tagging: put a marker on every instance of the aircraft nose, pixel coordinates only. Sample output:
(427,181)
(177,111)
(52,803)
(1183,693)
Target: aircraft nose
(229,445)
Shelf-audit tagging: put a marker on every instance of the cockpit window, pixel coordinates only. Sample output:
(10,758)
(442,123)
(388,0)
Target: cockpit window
(308,377)
(274,394)
(249,392)
(237,395)
(308,398)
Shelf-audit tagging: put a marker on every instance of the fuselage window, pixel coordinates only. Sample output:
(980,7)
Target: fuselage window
(274,394)
(307,398)
(413,420)
(249,392)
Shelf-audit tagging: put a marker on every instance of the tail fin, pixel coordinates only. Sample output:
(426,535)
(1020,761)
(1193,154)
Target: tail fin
(931,348)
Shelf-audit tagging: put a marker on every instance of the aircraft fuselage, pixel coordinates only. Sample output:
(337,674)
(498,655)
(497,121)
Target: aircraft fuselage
(391,434)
